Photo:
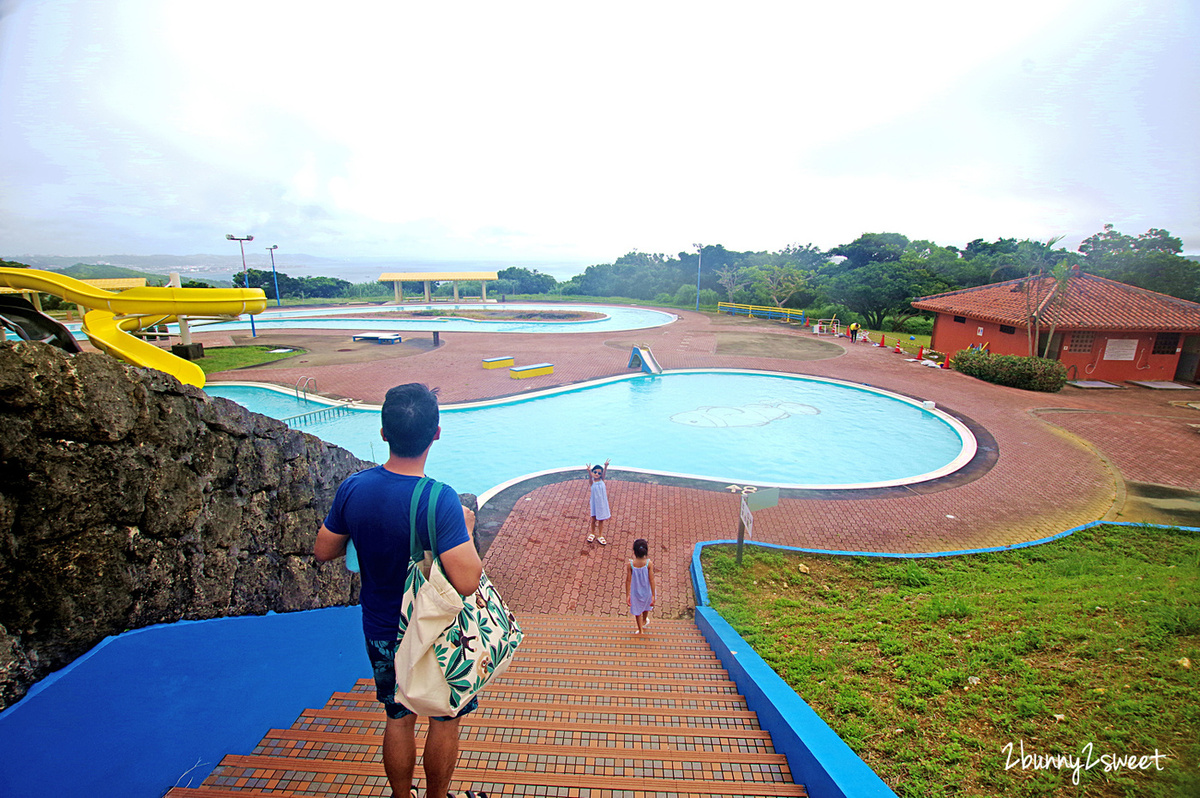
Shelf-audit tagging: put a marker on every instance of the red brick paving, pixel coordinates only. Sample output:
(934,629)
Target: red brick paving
(1056,470)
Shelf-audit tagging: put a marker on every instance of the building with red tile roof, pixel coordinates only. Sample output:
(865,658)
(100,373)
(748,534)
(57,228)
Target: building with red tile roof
(1099,329)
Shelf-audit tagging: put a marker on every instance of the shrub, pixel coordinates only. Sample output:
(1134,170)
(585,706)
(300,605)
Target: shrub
(685,296)
(503,287)
(918,325)
(1014,371)
(840,312)
(368,290)
(572,287)
(910,325)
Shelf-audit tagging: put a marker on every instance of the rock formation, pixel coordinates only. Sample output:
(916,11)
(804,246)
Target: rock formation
(129,499)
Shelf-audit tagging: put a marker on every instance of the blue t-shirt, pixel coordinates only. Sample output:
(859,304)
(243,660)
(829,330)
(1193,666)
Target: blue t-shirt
(372,508)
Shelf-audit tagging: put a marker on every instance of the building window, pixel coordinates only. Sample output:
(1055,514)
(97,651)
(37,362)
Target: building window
(1165,343)
(1007,329)
(961,319)
(1082,342)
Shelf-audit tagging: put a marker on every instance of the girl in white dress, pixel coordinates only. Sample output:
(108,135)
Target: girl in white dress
(598,503)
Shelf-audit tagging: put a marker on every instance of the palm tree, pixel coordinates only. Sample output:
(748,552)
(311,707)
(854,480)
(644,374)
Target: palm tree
(1037,257)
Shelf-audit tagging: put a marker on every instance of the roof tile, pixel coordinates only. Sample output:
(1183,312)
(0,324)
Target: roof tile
(1092,303)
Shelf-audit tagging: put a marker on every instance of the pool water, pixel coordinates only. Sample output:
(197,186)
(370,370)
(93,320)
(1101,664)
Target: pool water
(614,319)
(735,427)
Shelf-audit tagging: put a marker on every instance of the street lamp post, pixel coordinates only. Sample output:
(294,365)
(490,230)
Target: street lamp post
(245,273)
(699,260)
(274,276)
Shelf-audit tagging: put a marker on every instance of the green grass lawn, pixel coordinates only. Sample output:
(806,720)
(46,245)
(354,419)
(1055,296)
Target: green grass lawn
(930,668)
(224,358)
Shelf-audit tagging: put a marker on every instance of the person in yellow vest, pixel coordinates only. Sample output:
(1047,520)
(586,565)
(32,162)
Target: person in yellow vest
(854,332)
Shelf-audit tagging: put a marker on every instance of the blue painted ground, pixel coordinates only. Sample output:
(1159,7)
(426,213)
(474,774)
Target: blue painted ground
(159,706)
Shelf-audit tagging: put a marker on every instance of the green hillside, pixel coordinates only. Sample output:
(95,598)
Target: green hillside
(85,271)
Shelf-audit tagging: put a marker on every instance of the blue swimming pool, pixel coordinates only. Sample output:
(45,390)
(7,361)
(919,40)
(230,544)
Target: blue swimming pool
(614,319)
(737,427)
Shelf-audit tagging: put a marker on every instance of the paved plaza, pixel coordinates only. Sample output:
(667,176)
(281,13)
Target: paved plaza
(1049,462)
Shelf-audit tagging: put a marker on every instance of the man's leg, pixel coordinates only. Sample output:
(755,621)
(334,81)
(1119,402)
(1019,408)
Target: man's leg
(441,754)
(400,754)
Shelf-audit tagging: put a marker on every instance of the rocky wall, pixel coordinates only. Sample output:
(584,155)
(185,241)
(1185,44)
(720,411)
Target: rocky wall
(128,499)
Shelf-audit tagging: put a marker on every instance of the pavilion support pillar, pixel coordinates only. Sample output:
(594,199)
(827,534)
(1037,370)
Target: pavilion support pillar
(456,290)
(398,290)
(428,294)
(483,290)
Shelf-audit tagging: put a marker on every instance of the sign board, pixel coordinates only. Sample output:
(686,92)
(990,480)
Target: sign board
(747,518)
(762,499)
(1121,349)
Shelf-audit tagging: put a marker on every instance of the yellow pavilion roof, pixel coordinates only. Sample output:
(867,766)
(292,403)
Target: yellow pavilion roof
(420,277)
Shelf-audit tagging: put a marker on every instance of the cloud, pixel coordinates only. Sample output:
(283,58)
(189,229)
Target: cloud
(560,130)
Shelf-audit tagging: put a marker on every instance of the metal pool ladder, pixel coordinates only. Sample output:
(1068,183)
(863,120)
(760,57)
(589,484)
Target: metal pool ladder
(302,387)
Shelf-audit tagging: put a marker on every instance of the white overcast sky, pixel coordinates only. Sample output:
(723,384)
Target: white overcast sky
(580,131)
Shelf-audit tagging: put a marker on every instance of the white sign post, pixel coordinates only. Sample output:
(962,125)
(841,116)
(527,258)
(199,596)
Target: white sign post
(752,499)
(745,527)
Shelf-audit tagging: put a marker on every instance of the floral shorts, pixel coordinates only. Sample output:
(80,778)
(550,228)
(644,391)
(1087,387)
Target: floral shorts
(382,654)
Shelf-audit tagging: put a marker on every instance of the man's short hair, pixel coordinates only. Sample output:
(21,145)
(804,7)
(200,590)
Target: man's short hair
(410,418)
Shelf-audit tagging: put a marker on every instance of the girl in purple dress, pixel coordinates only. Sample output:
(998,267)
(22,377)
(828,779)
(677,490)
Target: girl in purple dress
(598,503)
(639,584)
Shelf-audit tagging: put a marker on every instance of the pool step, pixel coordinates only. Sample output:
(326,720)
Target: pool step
(586,709)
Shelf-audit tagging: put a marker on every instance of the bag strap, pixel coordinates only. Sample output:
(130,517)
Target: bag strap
(416,552)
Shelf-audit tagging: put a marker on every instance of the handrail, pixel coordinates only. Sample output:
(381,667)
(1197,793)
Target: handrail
(320,414)
(302,385)
(761,311)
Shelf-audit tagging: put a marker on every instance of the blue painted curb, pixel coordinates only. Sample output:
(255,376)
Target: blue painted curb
(818,758)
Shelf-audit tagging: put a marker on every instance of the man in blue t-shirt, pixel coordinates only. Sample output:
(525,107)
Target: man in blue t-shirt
(371,509)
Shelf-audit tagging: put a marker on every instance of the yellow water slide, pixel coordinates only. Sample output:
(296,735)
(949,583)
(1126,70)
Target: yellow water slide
(112,313)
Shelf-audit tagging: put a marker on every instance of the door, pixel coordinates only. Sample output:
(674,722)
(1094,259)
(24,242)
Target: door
(1189,359)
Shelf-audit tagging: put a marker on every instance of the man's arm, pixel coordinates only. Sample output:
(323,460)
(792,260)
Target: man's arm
(463,567)
(462,564)
(329,545)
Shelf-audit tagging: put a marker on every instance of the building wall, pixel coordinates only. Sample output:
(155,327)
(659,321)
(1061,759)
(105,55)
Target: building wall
(950,336)
(1115,355)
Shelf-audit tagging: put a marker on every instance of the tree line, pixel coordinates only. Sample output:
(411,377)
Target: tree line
(872,279)
(876,276)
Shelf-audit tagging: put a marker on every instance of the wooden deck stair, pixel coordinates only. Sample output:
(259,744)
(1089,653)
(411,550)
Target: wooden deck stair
(587,709)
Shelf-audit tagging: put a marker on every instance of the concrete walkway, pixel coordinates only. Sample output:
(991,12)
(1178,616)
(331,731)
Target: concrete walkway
(1058,460)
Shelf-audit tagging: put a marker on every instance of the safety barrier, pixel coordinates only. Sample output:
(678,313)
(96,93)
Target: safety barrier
(761,312)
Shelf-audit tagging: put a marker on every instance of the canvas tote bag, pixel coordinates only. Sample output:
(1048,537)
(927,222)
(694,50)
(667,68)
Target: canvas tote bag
(450,648)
